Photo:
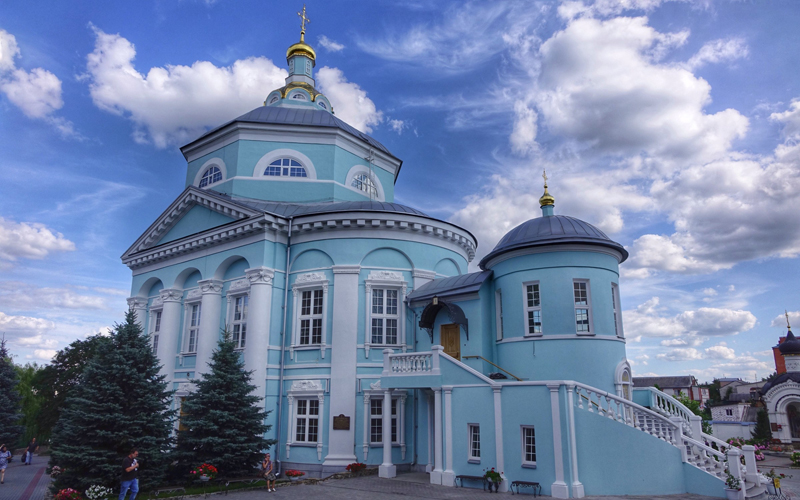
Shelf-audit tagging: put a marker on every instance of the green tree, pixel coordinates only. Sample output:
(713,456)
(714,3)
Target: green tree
(694,407)
(54,383)
(762,431)
(120,402)
(31,402)
(10,430)
(222,422)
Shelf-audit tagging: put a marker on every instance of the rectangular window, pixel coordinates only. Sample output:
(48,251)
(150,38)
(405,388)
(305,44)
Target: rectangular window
(311,317)
(474,442)
(385,316)
(156,331)
(729,412)
(533,309)
(239,321)
(307,429)
(193,329)
(376,420)
(617,311)
(528,445)
(498,304)
(582,306)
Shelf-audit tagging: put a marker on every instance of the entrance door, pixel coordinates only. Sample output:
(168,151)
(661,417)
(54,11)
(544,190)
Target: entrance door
(451,340)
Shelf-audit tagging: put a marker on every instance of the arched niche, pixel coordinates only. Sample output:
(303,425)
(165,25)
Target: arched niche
(311,259)
(447,267)
(150,287)
(232,267)
(187,278)
(387,258)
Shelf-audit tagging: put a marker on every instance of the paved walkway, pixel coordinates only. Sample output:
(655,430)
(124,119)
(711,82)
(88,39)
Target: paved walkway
(25,482)
(789,486)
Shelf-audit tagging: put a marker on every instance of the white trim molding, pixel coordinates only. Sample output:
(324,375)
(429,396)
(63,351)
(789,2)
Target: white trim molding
(308,283)
(385,280)
(308,390)
(363,169)
(212,162)
(264,161)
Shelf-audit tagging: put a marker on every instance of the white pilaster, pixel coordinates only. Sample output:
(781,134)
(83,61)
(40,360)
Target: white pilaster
(559,488)
(436,474)
(291,422)
(320,437)
(577,486)
(429,411)
(498,436)
(367,422)
(344,355)
(210,307)
(387,469)
(448,476)
(170,331)
(259,311)
(139,306)
(401,425)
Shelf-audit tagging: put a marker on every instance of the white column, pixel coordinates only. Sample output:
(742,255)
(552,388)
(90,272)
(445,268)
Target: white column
(170,331)
(733,454)
(429,411)
(139,306)
(559,488)
(321,428)
(344,355)
(448,476)
(436,474)
(751,474)
(387,469)
(290,423)
(367,422)
(401,425)
(577,486)
(211,308)
(498,436)
(259,310)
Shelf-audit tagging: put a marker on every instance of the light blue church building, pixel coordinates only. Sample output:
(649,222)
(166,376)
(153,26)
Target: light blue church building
(369,340)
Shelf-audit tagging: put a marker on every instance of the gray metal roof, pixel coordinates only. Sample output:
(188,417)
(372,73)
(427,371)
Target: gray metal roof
(298,209)
(665,382)
(783,377)
(294,116)
(552,230)
(446,287)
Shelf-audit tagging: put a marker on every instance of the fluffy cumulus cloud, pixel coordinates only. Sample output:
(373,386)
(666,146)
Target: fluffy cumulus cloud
(717,51)
(329,44)
(30,240)
(22,325)
(720,352)
(349,100)
(780,320)
(24,296)
(173,104)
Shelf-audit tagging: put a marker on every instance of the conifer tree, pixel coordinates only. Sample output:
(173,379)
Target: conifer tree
(10,430)
(222,422)
(120,402)
(762,431)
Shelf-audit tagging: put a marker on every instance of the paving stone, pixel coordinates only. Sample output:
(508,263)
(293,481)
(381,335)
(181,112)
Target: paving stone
(25,482)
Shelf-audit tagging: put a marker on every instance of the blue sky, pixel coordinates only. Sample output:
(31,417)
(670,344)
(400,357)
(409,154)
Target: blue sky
(673,126)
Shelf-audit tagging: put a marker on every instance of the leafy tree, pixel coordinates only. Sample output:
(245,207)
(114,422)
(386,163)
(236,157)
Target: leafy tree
(695,408)
(222,422)
(762,431)
(31,402)
(10,430)
(54,382)
(119,402)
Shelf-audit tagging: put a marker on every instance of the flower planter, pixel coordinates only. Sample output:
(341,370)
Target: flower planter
(204,478)
(732,494)
(294,479)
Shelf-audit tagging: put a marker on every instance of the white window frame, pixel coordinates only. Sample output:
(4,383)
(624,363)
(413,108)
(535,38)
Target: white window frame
(473,444)
(155,329)
(308,282)
(264,161)
(241,341)
(588,308)
(498,312)
(617,310)
(392,280)
(379,418)
(213,162)
(527,463)
(306,390)
(239,288)
(376,394)
(529,309)
(357,170)
(188,327)
(624,387)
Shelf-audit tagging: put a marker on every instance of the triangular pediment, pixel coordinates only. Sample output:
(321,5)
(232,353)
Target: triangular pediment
(192,212)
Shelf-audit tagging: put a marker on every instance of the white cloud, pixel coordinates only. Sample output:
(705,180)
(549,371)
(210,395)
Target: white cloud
(718,51)
(30,241)
(329,44)
(780,320)
(789,151)
(709,292)
(720,352)
(24,324)
(523,136)
(37,341)
(44,354)
(681,354)
(174,104)
(8,50)
(397,126)
(24,296)
(349,100)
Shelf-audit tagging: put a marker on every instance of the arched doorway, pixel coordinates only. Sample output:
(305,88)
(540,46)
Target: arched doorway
(793,417)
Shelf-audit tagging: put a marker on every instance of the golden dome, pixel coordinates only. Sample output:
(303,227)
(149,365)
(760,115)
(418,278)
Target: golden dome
(302,49)
(547,198)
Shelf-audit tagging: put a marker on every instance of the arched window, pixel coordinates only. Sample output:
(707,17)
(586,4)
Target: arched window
(362,182)
(322,105)
(285,167)
(623,381)
(299,96)
(211,176)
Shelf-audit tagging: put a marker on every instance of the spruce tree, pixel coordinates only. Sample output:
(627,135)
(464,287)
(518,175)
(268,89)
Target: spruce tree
(10,412)
(762,431)
(222,422)
(120,402)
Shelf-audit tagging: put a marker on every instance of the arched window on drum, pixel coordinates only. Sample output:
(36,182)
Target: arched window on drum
(285,167)
(363,182)
(211,176)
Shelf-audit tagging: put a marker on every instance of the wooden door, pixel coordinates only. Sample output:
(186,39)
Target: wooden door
(451,340)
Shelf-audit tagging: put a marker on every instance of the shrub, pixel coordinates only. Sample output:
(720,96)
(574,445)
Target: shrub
(294,473)
(68,494)
(206,470)
(98,492)
(356,467)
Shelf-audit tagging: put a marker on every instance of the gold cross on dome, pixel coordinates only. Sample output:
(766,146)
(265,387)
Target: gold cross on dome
(303,20)
(544,176)
(787,319)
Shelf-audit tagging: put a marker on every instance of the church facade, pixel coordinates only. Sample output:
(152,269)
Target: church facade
(371,342)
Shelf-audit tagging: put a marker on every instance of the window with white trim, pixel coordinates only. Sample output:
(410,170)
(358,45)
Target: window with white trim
(498,304)
(285,167)
(239,321)
(211,176)
(533,309)
(528,446)
(363,182)
(583,307)
(376,420)
(385,316)
(306,420)
(729,412)
(311,317)
(192,328)
(617,312)
(156,330)
(474,442)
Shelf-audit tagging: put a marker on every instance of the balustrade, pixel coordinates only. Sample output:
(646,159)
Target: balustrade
(411,363)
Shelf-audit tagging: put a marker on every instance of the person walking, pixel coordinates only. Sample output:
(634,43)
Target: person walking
(32,447)
(269,474)
(129,479)
(4,456)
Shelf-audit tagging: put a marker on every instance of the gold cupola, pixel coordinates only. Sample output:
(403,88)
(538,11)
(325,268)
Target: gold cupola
(301,47)
(546,199)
